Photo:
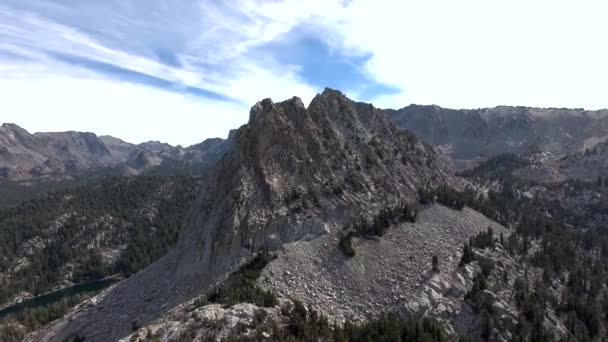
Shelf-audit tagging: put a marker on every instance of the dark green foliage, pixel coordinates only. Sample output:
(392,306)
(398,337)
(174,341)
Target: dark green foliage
(581,303)
(346,244)
(467,255)
(124,199)
(487,266)
(241,286)
(498,167)
(484,239)
(11,333)
(532,302)
(479,284)
(503,206)
(487,324)
(443,195)
(578,254)
(390,327)
(483,301)
(36,318)
(15,193)
(306,325)
(93,268)
(378,225)
(435,262)
(383,220)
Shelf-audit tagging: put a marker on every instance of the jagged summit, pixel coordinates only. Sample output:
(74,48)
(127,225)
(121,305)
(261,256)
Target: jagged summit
(295,172)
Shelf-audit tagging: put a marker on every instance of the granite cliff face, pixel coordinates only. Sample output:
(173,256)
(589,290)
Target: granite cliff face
(292,174)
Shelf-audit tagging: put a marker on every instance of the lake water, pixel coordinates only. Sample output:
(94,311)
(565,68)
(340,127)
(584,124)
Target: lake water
(52,297)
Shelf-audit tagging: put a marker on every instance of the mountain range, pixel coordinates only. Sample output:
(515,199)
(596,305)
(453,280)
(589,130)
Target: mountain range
(65,155)
(475,134)
(465,136)
(333,221)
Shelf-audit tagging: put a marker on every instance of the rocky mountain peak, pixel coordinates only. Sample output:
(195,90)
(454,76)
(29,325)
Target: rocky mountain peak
(297,172)
(11,133)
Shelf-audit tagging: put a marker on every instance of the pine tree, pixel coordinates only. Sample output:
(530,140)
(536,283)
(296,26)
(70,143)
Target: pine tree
(435,264)
(467,255)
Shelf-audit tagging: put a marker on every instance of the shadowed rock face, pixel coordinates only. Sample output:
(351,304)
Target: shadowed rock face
(292,173)
(491,131)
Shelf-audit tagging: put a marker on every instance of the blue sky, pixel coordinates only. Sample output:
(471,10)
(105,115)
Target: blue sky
(183,71)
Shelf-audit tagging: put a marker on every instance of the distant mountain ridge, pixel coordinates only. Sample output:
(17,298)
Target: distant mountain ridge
(465,135)
(64,155)
(482,133)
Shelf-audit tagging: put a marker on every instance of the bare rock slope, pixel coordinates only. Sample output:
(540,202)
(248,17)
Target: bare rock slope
(386,274)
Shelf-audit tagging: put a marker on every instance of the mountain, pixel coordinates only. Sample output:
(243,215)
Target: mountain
(292,174)
(328,223)
(25,156)
(470,134)
(68,155)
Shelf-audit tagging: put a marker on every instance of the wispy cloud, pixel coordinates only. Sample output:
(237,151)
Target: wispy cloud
(193,53)
(170,59)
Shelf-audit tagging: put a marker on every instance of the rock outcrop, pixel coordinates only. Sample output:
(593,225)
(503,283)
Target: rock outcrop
(297,172)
